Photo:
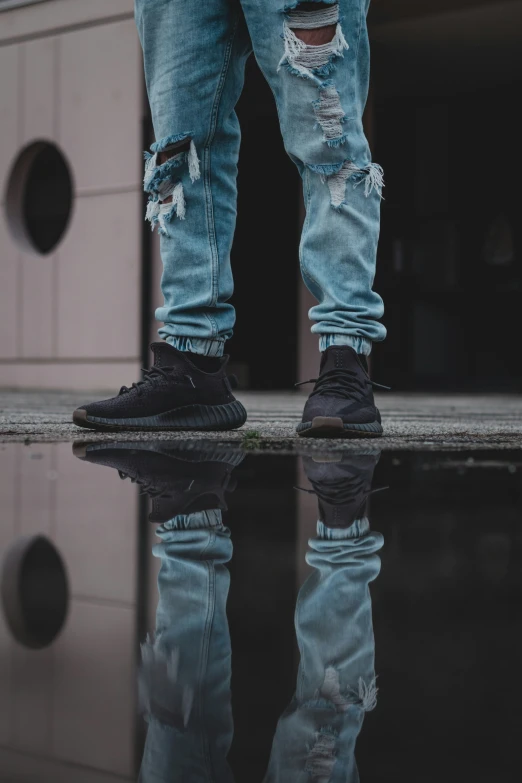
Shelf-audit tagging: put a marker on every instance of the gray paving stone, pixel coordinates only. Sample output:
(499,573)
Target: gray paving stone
(411,421)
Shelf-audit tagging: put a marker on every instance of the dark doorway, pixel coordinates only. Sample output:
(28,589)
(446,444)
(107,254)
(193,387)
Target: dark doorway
(447,132)
(265,251)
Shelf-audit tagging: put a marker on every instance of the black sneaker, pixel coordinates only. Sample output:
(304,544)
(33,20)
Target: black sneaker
(342,487)
(183,391)
(179,478)
(341,404)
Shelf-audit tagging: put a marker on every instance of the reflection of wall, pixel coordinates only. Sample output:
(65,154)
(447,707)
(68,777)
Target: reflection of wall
(74,701)
(70,73)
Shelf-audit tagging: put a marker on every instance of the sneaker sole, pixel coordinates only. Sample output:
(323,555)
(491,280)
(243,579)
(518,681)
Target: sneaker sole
(194,451)
(330,427)
(205,418)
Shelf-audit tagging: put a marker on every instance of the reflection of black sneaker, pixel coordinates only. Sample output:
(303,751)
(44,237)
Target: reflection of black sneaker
(341,404)
(181,392)
(180,478)
(342,488)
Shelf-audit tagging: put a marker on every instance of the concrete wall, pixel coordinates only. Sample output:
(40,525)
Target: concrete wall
(71,73)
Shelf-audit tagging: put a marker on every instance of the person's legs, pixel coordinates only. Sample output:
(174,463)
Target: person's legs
(315,55)
(321,91)
(194,57)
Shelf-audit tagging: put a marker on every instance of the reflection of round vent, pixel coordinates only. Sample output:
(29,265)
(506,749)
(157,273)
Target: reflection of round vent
(39,197)
(35,595)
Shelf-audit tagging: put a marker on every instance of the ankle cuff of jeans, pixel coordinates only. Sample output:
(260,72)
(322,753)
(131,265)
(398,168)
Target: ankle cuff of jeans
(199,520)
(359,344)
(357,529)
(197,345)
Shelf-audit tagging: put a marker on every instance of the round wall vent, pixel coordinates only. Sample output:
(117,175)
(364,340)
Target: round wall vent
(39,197)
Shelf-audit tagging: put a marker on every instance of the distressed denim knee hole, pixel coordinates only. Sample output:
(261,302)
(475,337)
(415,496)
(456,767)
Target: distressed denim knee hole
(313,39)
(162,181)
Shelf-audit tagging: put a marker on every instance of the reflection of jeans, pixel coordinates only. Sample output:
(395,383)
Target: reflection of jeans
(185,679)
(194,55)
(186,673)
(316,735)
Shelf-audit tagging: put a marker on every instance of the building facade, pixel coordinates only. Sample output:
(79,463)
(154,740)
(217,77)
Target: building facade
(79,270)
(71,102)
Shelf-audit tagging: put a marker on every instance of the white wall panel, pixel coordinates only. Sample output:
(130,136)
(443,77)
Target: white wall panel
(50,17)
(37,305)
(99,278)
(100,106)
(39,95)
(78,84)
(9,271)
(104,378)
(9,111)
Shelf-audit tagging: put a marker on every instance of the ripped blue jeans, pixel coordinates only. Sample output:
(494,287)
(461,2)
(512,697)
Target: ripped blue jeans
(195,55)
(186,669)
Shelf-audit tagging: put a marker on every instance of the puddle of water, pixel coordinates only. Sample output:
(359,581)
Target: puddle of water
(279,647)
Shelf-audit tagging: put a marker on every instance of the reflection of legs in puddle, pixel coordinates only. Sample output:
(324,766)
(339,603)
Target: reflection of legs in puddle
(185,675)
(316,735)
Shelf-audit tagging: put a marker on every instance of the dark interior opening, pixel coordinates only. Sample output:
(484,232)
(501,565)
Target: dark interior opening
(265,251)
(47,198)
(447,132)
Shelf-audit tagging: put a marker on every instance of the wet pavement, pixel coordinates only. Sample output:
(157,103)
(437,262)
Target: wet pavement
(187,611)
(411,421)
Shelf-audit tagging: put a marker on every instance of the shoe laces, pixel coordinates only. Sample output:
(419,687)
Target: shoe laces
(339,382)
(341,491)
(146,486)
(151,376)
